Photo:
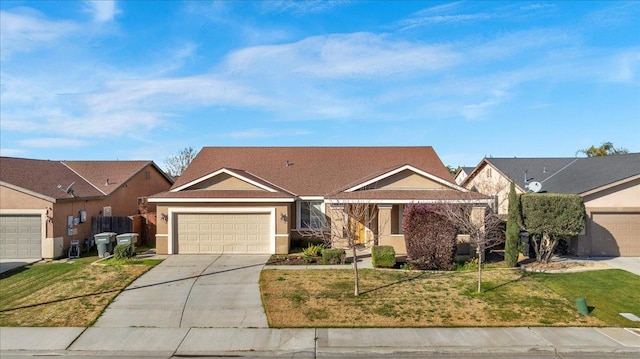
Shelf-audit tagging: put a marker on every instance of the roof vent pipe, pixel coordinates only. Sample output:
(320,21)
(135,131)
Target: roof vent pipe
(526,177)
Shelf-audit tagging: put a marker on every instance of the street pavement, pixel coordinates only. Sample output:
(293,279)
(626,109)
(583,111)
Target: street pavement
(209,306)
(543,342)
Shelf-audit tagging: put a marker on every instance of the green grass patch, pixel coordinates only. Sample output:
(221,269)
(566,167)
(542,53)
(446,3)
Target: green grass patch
(63,294)
(325,298)
(608,292)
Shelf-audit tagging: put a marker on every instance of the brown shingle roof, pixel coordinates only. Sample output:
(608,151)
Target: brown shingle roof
(313,171)
(98,172)
(223,194)
(88,177)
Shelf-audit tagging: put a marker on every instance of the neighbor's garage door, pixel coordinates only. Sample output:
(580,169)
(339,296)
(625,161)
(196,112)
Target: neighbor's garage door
(20,236)
(615,234)
(240,233)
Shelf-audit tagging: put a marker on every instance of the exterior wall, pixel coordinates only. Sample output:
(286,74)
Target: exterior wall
(225,181)
(123,202)
(490,182)
(16,202)
(407,180)
(624,198)
(462,175)
(282,217)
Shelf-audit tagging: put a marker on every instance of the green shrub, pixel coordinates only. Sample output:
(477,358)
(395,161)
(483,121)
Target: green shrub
(312,251)
(383,256)
(333,256)
(123,251)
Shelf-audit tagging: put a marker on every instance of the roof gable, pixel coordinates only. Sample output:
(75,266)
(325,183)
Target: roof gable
(227,179)
(404,178)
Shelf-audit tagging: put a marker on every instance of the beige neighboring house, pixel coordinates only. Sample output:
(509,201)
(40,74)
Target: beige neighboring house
(609,186)
(259,199)
(462,173)
(46,204)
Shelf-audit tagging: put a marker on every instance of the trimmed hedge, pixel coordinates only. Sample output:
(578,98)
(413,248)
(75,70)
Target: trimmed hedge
(383,256)
(430,237)
(333,256)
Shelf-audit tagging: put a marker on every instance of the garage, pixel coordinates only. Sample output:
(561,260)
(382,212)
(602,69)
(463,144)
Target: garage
(20,236)
(212,233)
(615,234)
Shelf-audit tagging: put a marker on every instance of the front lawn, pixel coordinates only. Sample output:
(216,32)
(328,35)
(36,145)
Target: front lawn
(324,298)
(63,294)
(608,292)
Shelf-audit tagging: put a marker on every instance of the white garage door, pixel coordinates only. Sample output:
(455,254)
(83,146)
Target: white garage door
(240,233)
(615,234)
(20,236)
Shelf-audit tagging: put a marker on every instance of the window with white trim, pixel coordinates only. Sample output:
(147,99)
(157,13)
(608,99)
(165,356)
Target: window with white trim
(311,215)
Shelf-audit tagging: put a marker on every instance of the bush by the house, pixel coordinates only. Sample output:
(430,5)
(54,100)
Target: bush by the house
(333,256)
(430,237)
(123,251)
(383,256)
(549,217)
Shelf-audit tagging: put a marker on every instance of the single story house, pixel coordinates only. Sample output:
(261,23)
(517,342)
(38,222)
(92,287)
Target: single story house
(44,204)
(259,199)
(609,186)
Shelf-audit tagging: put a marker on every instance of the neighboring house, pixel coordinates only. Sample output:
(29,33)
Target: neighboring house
(257,199)
(46,204)
(609,186)
(462,174)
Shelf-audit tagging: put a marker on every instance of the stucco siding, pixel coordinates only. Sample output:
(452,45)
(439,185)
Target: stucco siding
(407,180)
(224,181)
(491,182)
(623,195)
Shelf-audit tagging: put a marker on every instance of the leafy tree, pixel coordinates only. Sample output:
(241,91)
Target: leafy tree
(453,170)
(430,237)
(176,164)
(549,217)
(512,245)
(605,149)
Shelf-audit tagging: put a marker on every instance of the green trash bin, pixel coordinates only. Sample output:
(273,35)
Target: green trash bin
(105,242)
(128,238)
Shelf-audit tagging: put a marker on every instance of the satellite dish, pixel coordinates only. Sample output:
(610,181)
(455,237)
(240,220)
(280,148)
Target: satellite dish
(535,186)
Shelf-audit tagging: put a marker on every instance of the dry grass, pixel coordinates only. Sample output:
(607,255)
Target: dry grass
(324,298)
(62,294)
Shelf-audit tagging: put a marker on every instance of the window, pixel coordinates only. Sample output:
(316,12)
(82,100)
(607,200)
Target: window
(400,218)
(310,215)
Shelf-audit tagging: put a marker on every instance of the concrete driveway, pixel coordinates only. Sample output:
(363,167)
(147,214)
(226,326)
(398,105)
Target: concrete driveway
(193,291)
(7,264)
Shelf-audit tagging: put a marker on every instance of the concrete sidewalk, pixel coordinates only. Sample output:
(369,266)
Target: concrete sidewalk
(315,343)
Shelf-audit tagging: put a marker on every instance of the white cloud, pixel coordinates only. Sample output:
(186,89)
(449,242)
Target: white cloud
(53,142)
(265,133)
(10,152)
(363,55)
(25,30)
(302,7)
(102,10)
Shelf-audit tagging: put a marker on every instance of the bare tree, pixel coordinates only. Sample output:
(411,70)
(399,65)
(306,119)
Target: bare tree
(484,227)
(176,164)
(351,224)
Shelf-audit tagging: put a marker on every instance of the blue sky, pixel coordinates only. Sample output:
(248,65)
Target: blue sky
(143,79)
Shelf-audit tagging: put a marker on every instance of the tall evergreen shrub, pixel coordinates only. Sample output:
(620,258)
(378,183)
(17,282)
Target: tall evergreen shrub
(512,245)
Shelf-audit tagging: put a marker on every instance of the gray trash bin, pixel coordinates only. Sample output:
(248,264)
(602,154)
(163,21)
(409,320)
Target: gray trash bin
(128,238)
(105,242)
